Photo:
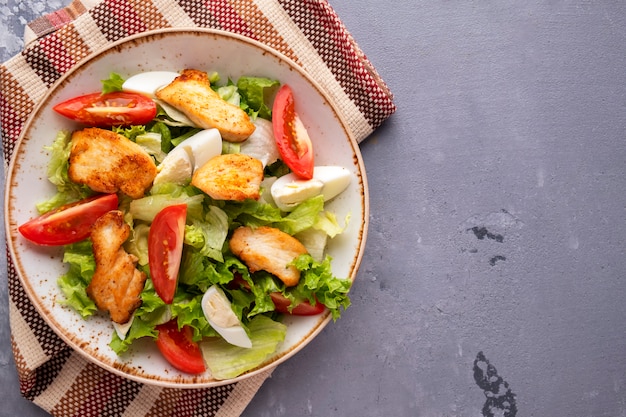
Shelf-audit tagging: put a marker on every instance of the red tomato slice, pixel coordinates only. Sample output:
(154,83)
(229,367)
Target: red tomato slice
(165,247)
(179,349)
(281,303)
(70,223)
(111,109)
(292,139)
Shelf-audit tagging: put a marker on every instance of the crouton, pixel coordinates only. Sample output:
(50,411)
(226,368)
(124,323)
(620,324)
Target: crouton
(268,249)
(191,93)
(108,162)
(116,284)
(230,177)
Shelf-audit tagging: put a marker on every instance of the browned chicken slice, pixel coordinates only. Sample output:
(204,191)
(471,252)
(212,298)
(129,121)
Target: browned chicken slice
(192,94)
(108,162)
(268,249)
(116,284)
(230,177)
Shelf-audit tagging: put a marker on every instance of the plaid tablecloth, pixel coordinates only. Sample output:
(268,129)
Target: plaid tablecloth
(51,374)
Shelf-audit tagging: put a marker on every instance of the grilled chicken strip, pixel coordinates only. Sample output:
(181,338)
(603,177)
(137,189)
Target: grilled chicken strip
(191,93)
(116,284)
(230,177)
(268,249)
(108,162)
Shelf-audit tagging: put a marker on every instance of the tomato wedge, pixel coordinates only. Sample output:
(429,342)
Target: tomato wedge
(178,348)
(112,109)
(70,223)
(165,247)
(292,139)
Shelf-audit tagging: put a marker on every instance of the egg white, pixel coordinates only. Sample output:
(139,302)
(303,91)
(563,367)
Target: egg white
(288,191)
(217,308)
(147,83)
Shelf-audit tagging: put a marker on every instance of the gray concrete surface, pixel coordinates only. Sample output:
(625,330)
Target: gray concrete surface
(495,258)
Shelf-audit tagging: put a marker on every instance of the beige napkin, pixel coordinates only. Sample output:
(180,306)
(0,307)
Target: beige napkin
(51,374)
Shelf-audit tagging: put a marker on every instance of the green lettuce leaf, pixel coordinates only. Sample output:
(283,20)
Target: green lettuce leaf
(165,195)
(152,312)
(113,83)
(197,270)
(138,330)
(228,361)
(67,191)
(73,284)
(208,236)
(256,94)
(318,282)
(229,93)
(254,214)
(137,244)
(304,216)
(189,313)
(130,132)
(327,222)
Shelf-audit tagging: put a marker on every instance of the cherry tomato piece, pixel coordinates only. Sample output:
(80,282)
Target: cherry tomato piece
(111,109)
(292,139)
(70,223)
(178,348)
(165,247)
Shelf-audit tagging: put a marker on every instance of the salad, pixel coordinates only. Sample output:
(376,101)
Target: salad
(191,212)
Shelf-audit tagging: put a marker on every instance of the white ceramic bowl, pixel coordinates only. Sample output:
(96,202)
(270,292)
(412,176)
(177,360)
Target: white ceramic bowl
(173,50)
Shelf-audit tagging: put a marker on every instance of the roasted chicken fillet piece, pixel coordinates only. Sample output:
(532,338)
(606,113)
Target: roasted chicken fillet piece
(108,162)
(269,249)
(191,93)
(117,283)
(230,177)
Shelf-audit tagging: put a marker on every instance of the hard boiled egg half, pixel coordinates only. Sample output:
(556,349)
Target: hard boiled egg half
(178,166)
(147,83)
(289,190)
(220,315)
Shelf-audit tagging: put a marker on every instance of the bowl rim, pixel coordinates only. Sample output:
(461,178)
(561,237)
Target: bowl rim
(155,33)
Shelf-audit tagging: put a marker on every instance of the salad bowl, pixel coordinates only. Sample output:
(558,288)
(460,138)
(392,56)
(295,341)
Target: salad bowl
(38,267)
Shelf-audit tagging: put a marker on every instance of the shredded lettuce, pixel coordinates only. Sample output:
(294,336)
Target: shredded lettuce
(314,241)
(73,284)
(214,77)
(304,216)
(139,329)
(67,191)
(152,312)
(189,313)
(130,132)
(209,235)
(256,95)
(230,147)
(137,244)
(151,143)
(327,223)
(230,94)
(165,134)
(113,83)
(253,213)
(146,208)
(318,282)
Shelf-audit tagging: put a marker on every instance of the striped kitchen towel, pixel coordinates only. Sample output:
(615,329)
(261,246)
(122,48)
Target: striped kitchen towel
(51,374)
